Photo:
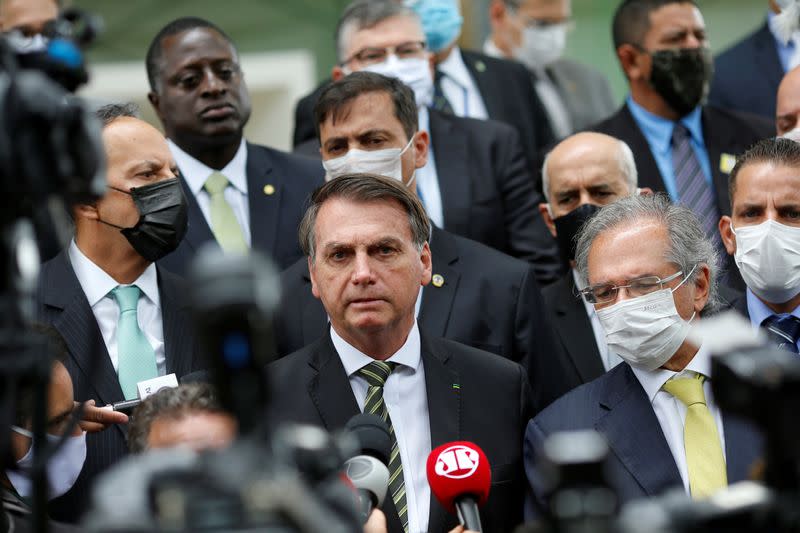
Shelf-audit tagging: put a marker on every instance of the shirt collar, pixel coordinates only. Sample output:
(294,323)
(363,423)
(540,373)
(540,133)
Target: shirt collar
(653,380)
(196,172)
(491,49)
(353,359)
(96,283)
(773,29)
(759,311)
(658,130)
(455,69)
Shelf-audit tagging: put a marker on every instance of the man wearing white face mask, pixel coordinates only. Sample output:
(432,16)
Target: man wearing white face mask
(763,236)
(534,32)
(650,271)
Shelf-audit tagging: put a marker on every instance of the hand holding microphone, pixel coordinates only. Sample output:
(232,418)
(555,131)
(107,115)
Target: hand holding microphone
(460,477)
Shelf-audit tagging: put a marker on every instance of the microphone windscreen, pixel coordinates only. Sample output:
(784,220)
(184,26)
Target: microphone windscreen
(370,474)
(459,469)
(372,434)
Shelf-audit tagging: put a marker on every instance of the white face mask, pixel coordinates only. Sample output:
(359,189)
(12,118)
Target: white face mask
(386,162)
(768,257)
(645,331)
(541,45)
(63,468)
(414,72)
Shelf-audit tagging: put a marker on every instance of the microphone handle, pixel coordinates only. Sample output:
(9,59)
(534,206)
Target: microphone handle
(468,515)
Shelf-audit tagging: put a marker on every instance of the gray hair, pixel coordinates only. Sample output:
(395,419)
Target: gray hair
(625,160)
(363,14)
(111,112)
(688,244)
(365,188)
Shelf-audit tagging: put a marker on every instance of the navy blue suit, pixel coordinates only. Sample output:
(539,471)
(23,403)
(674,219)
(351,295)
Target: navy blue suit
(640,463)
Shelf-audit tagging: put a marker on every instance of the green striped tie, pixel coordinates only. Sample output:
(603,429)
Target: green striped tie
(376,373)
(223,220)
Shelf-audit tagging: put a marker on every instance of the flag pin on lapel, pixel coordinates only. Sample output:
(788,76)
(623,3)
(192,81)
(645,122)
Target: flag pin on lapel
(480,66)
(437,280)
(456,386)
(269,189)
(726,163)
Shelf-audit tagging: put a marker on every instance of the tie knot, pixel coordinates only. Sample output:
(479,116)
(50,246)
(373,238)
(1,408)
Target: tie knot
(680,133)
(376,373)
(216,183)
(785,325)
(687,390)
(127,297)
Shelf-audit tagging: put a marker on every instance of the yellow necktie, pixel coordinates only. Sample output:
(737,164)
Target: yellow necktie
(704,459)
(223,220)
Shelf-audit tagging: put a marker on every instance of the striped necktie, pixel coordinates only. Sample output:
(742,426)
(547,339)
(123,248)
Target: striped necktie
(440,101)
(136,359)
(223,220)
(784,330)
(376,373)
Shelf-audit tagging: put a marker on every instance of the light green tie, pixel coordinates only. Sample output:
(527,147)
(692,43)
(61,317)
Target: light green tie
(223,220)
(704,459)
(136,358)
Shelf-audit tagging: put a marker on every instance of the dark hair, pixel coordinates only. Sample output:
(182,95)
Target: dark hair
(172,403)
(57,349)
(364,14)
(111,112)
(337,97)
(155,52)
(365,188)
(632,19)
(775,150)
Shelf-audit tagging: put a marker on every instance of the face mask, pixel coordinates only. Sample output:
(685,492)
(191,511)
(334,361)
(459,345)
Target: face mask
(768,257)
(567,228)
(541,46)
(163,218)
(441,21)
(63,468)
(645,331)
(414,72)
(386,162)
(682,77)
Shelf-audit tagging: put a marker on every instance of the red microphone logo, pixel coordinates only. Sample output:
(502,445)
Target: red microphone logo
(457,462)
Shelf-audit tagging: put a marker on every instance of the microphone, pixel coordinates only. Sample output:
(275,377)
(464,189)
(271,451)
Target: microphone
(368,472)
(459,476)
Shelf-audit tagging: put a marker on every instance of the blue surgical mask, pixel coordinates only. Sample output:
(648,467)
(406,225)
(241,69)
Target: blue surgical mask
(441,21)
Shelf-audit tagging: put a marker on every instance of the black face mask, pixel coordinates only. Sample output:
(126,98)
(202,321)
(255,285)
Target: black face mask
(163,218)
(567,228)
(682,77)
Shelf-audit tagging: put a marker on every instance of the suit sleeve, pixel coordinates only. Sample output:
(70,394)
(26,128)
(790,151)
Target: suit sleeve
(535,490)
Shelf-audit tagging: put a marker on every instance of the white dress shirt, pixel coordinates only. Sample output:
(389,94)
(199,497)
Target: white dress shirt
(671,412)
(609,358)
(97,286)
(459,88)
(407,402)
(196,173)
(428,179)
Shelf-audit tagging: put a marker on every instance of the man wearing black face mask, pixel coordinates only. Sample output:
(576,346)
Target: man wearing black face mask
(120,316)
(682,146)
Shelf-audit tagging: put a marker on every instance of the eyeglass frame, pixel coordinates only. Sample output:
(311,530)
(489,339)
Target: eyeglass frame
(587,292)
(388,50)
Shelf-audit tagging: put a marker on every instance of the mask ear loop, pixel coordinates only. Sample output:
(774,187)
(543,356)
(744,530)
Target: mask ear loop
(689,275)
(413,174)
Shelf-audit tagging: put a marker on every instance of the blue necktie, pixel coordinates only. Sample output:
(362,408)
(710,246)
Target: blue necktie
(784,330)
(136,358)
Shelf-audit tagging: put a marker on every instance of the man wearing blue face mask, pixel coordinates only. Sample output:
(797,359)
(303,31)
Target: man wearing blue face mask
(763,236)
(650,272)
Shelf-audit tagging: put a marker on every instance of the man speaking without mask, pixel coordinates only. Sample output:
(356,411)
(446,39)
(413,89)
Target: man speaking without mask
(682,146)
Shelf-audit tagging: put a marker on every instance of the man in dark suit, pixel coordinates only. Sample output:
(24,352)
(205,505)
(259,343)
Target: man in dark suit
(747,74)
(650,271)
(366,238)
(681,146)
(241,195)
(124,320)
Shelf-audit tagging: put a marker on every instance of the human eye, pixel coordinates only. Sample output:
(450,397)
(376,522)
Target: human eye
(603,292)
(645,285)
(371,55)
(188,80)
(408,50)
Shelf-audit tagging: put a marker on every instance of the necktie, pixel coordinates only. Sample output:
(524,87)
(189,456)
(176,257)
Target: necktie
(223,221)
(136,358)
(784,330)
(694,191)
(704,459)
(440,101)
(376,373)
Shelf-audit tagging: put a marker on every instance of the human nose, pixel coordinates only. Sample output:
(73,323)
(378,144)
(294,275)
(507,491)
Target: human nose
(362,270)
(212,84)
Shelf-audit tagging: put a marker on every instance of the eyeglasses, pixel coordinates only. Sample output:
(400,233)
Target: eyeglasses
(606,293)
(369,56)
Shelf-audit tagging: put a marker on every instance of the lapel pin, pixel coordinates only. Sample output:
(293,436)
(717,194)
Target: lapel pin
(456,386)
(480,66)
(269,189)
(726,163)
(437,280)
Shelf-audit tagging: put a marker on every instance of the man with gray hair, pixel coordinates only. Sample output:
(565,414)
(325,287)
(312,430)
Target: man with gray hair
(650,271)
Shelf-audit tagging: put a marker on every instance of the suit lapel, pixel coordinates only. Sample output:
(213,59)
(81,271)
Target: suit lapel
(264,207)
(649,175)
(743,447)
(330,389)
(175,319)
(452,158)
(486,83)
(198,232)
(634,434)
(314,317)
(437,302)
(575,329)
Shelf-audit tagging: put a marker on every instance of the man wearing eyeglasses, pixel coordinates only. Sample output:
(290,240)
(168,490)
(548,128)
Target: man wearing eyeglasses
(650,272)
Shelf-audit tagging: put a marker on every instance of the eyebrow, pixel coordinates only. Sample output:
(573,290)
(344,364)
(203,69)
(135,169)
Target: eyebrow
(60,417)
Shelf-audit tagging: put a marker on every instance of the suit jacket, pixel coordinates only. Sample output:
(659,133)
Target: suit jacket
(640,462)
(747,75)
(62,304)
(490,408)
(585,91)
(274,216)
(724,132)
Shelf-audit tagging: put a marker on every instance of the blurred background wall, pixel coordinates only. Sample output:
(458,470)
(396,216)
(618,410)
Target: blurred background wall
(287,45)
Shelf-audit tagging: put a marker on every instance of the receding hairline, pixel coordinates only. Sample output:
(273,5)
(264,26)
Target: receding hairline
(386,201)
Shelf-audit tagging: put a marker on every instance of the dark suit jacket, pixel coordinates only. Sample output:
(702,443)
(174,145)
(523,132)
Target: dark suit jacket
(490,407)
(724,132)
(640,463)
(62,303)
(747,75)
(274,217)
